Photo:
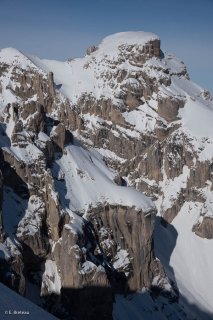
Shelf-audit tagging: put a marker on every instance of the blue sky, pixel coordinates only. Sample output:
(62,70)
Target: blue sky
(59,29)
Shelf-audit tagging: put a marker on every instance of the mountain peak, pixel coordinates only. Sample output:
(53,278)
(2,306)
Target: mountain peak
(129,38)
(111,45)
(14,57)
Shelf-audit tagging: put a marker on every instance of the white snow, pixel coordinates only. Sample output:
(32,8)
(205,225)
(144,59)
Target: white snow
(92,122)
(159,67)
(51,279)
(200,124)
(143,118)
(171,188)
(88,181)
(81,76)
(128,132)
(4,253)
(16,58)
(106,153)
(208,204)
(73,78)
(43,136)
(110,45)
(187,257)
(196,116)
(31,221)
(30,154)
(121,259)
(6,96)
(76,224)
(87,267)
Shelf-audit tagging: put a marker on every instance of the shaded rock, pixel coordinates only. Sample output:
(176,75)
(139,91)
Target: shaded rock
(119,181)
(51,87)
(91,49)
(131,101)
(204,229)
(168,108)
(11,265)
(32,232)
(125,224)
(52,207)
(60,136)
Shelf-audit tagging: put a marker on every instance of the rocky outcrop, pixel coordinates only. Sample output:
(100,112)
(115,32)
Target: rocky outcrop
(150,49)
(91,49)
(32,233)
(168,108)
(111,251)
(204,228)
(151,163)
(131,231)
(60,136)
(83,277)
(52,207)
(12,269)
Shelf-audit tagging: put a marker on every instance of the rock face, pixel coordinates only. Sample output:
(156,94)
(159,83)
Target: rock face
(81,231)
(204,229)
(124,225)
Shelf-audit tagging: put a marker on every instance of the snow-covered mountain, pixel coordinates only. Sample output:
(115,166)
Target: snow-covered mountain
(106,182)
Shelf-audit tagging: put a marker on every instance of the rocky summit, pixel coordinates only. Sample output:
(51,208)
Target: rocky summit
(106,183)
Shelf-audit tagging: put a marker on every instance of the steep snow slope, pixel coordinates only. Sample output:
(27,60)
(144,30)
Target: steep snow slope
(190,263)
(83,180)
(14,306)
(15,58)
(142,306)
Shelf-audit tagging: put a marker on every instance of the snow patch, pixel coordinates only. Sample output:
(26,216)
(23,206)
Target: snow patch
(51,280)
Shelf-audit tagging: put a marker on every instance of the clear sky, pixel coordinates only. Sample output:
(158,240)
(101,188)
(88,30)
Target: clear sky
(59,29)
